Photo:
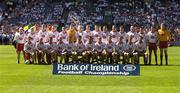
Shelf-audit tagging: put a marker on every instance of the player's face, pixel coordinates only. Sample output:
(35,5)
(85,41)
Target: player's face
(132,28)
(105,29)
(80,28)
(96,28)
(113,28)
(88,28)
(121,29)
(162,26)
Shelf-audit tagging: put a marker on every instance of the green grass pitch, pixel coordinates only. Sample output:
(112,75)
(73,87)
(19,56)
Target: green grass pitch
(22,78)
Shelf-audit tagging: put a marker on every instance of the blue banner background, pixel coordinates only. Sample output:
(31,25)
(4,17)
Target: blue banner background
(97,69)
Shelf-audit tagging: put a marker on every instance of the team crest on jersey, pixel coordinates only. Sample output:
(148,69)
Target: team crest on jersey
(20,38)
(96,35)
(113,36)
(104,36)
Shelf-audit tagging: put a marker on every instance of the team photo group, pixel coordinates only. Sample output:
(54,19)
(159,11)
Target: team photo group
(41,44)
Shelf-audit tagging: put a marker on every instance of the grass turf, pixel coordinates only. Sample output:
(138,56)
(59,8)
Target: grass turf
(21,78)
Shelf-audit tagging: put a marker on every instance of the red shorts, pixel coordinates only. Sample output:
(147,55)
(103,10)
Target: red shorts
(20,47)
(27,56)
(152,46)
(163,44)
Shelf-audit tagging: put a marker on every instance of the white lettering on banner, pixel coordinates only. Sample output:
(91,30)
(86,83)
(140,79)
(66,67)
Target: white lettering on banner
(104,68)
(67,67)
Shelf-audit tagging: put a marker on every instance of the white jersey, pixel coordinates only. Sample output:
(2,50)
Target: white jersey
(105,36)
(96,35)
(50,47)
(121,47)
(115,36)
(99,47)
(143,35)
(152,37)
(29,47)
(85,37)
(61,46)
(33,37)
(124,35)
(131,48)
(43,35)
(64,36)
(40,47)
(134,36)
(70,47)
(80,47)
(20,38)
(141,46)
(79,34)
(53,35)
(110,47)
(90,47)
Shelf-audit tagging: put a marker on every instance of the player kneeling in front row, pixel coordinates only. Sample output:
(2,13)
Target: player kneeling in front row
(29,52)
(109,50)
(130,52)
(60,49)
(99,48)
(67,54)
(120,49)
(89,51)
(141,51)
(51,52)
(40,48)
(79,49)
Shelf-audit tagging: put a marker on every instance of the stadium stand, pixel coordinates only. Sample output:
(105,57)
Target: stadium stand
(144,13)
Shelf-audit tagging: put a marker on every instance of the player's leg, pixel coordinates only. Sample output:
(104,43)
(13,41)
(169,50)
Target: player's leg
(126,58)
(48,58)
(150,53)
(136,57)
(39,57)
(166,55)
(161,55)
(155,55)
(145,57)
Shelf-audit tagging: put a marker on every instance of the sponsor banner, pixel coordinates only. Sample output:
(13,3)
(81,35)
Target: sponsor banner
(97,69)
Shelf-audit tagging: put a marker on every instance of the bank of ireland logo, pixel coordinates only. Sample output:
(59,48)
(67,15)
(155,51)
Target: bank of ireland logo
(129,67)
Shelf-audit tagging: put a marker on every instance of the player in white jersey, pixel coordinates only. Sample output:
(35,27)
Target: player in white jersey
(99,48)
(105,35)
(132,34)
(96,33)
(114,34)
(130,51)
(120,49)
(53,34)
(51,49)
(79,49)
(63,35)
(123,34)
(68,51)
(86,34)
(60,49)
(140,50)
(109,49)
(34,38)
(79,31)
(43,34)
(40,48)
(142,34)
(89,50)
(152,44)
(29,51)
(20,40)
